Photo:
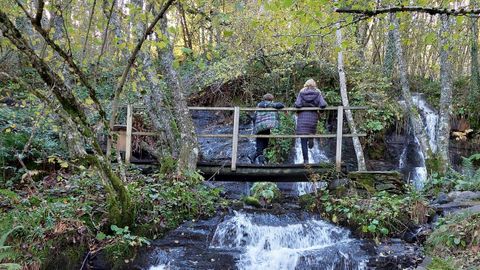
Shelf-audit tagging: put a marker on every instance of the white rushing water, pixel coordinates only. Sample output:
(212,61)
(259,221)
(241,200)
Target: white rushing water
(430,118)
(416,169)
(270,242)
(315,155)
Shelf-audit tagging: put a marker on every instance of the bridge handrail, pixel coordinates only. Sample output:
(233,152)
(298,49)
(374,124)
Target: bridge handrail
(330,108)
(235,134)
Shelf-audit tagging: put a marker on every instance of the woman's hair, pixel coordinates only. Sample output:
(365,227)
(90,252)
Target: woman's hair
(310,83)
(268,97)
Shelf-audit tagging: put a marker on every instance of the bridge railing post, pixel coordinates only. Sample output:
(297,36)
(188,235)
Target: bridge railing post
(338,150)
(128,138)
(236,123)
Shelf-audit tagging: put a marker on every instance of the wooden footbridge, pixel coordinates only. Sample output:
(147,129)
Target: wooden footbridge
(234,171)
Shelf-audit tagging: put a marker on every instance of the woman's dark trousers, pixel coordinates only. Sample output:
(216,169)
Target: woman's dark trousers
(304,142)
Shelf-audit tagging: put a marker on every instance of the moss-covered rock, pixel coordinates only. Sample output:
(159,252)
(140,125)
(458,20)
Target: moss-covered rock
(250,200)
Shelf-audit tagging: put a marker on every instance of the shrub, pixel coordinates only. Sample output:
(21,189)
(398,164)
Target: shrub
(265,192)
(279,148)
(381,215)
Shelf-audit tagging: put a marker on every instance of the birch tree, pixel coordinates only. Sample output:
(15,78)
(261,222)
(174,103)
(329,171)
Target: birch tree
(348,113)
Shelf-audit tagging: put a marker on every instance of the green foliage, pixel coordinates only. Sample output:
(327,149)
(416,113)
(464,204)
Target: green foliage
(6,253)
(279,148)
(441,264)
(265,192)
(457,237)
(16,126)
(378,216)
(372,89)
(469,179)
(166,204)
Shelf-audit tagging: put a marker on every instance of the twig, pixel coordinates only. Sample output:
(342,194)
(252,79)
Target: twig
(68,58)
(428,10)
(85,260)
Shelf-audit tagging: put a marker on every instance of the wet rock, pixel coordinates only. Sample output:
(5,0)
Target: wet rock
(338,183)
(442,198)
(460,196)
(417,234)
(396,254)
(454,207)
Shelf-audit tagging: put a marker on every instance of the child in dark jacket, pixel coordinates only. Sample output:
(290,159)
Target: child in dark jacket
(309,96)
(264,121)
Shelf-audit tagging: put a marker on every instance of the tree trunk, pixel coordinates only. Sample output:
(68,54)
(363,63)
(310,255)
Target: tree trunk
(348,113)
(412,114)
(156,101)
(188,153)
(475,76)
(389,59)
(120,205)
(445,108)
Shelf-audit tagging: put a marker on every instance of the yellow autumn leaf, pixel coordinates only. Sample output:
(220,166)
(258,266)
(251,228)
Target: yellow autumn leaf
(89,101)
(64,164)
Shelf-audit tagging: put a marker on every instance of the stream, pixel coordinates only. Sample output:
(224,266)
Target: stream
(256,240)
(252,239)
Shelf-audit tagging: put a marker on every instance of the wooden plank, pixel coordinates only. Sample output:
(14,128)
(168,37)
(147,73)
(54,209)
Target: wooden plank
(338,150)
(145,133)
(229,136)
(302,136)
(303,109)
(211,108)
(236,123)
(196,108)
(128,142)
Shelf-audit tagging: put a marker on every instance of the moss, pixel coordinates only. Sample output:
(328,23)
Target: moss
(118,253)
(306,201)
(68,258)
(250,200)
(441,264)
(435,165)
(9,194)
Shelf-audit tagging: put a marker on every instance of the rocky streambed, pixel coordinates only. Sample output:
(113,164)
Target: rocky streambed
(266,239)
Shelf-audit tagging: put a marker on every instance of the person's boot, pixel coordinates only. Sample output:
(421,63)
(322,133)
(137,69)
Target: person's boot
(261,159)
(305,160)
(310,143)
(252,157)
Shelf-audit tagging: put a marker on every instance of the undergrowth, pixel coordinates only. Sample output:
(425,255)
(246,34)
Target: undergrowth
(457,237)
(67,212)
(378,216)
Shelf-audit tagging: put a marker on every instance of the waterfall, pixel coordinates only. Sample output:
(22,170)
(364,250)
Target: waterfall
(315,155)
(412,160)
(429,117)
(287,242)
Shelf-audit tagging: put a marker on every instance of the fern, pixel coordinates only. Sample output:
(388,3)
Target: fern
(7,253)
(471,176)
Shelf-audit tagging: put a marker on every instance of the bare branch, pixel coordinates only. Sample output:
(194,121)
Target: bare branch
(38,16)
(428,10)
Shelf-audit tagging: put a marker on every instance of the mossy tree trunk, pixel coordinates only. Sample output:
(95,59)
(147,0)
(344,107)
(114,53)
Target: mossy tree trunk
(413,115)
(445,108)
(187,147)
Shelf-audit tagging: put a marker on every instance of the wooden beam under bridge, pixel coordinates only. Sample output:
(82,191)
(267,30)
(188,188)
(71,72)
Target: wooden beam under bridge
(262,173)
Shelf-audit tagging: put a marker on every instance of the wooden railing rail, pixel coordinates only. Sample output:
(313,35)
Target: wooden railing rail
(235,136)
